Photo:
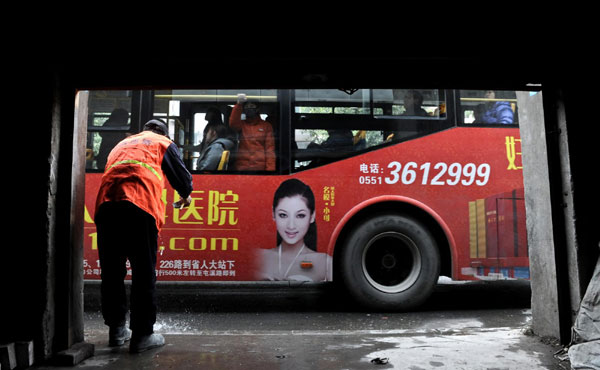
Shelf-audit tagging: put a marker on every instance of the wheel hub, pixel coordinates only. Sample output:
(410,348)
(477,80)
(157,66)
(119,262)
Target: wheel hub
(388,261)
(391,262)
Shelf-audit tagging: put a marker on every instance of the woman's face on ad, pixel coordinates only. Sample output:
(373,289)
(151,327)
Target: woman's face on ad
(293,218)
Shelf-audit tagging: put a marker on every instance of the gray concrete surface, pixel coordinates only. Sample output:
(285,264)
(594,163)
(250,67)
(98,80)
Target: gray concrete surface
(435,341)
(291,329)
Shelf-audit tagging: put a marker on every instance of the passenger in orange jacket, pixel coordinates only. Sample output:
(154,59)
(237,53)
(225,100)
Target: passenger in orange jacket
(257,144)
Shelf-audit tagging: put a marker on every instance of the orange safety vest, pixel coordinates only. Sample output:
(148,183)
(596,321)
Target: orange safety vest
(133,173)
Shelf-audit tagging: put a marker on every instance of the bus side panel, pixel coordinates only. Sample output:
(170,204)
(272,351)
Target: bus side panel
(229,229)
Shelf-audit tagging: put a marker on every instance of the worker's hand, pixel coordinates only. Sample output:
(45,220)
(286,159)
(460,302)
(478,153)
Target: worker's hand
(241,98)
(187,201)
(182,203)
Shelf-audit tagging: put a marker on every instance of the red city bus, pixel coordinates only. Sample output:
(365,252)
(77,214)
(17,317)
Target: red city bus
(391,187)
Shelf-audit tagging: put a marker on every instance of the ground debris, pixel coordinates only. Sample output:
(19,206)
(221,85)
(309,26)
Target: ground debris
(380,361)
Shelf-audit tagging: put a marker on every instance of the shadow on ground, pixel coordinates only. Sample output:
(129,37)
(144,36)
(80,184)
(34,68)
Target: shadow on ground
(262,297)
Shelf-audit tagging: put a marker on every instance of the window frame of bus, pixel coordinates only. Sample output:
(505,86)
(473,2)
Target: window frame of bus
(288,120)
(460,113)
(376,122)
(140,111)
(185,115)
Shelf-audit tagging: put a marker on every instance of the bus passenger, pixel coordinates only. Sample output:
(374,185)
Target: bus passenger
(213,116)
(295,257)
(494,111)
(129,214)
(413,101)
(413,107)
(217,139)
(256,150)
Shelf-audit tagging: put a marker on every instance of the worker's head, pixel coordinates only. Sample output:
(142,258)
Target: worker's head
(156,126)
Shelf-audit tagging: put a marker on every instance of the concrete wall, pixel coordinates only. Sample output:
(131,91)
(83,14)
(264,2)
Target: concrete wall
(41,268)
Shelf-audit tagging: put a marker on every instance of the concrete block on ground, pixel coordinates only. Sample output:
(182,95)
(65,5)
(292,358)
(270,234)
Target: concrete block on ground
(8,360)
(74,355)
(24,353)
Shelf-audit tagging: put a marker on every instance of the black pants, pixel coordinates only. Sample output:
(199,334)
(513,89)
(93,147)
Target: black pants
(125,232)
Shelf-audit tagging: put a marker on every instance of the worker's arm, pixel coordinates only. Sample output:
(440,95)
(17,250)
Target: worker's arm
(177,175)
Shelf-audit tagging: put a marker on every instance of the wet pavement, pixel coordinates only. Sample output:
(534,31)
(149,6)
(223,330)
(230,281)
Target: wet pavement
(464,326)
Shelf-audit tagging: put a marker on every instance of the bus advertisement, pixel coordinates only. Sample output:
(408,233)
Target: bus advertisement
(366,188)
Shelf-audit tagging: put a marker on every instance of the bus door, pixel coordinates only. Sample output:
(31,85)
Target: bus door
(498,236)
(510,235)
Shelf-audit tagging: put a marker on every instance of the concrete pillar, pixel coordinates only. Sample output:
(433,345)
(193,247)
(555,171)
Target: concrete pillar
(62,322)
(551,230)
(542,262)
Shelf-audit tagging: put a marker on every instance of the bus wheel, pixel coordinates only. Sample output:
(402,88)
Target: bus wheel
(390,262)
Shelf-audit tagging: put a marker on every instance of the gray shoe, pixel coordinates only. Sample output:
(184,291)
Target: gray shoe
(118,335)
(146,342)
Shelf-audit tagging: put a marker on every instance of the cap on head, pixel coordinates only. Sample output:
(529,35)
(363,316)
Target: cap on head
(156,126)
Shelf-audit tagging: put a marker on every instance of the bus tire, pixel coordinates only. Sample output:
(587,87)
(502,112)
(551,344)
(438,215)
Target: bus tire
(390,262)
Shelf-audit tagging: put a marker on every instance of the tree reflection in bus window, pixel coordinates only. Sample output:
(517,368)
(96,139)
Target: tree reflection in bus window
(344,122)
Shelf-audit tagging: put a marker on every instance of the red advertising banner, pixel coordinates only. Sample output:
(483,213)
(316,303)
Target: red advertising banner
(265,227)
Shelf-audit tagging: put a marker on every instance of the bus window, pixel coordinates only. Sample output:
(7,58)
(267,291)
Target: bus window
(108,123)
(409,103)
(485,107)
(172,112)
(192,115)
(333,124)
(417,111)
